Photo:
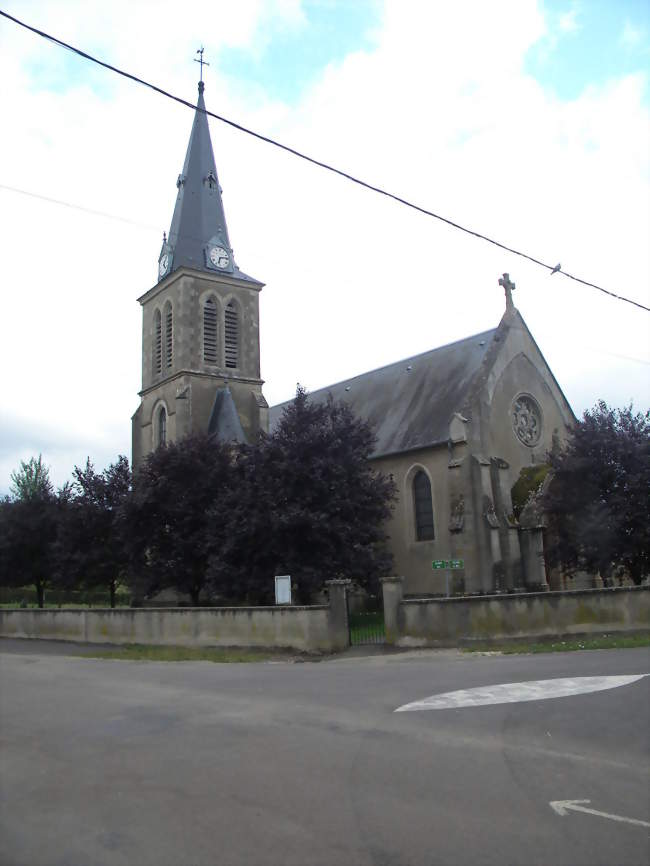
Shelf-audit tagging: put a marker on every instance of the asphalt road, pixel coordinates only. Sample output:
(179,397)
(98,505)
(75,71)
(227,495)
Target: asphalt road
(198,764)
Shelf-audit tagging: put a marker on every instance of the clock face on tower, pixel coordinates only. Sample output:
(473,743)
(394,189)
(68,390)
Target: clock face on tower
(163,264)
(219,257)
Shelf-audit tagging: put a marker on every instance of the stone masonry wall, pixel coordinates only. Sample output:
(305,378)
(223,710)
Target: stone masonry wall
(307,629)
(446,622)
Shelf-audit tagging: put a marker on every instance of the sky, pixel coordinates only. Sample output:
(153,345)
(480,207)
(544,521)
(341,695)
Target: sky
(524,120)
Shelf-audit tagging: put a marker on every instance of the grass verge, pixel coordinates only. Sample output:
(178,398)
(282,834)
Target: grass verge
(604,641)
(142,653)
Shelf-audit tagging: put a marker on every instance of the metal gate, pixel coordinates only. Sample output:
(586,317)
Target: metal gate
(367,626)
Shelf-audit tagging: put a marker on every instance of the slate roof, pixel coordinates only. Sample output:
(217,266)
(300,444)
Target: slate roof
(199,216)
(224,422)
(409,404)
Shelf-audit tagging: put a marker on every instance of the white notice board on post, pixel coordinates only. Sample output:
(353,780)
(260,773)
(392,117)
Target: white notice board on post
(283,589)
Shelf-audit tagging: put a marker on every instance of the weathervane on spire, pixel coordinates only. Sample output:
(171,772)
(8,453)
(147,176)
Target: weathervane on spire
(201,61)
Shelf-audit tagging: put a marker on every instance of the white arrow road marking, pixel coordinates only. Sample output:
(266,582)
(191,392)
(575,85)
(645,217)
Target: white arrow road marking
(512,693)
(562,807)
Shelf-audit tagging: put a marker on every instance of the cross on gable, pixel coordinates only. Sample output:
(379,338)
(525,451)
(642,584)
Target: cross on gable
(508,287)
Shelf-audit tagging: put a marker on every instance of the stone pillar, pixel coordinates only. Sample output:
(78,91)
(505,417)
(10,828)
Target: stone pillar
(338,614)
(392,591)
(487,526)
(532,552)
(508,532)
(459,488)
(183,410)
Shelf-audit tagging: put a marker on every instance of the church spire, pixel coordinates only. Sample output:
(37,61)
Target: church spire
(198,235)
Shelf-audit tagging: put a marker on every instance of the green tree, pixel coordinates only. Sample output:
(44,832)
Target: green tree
(31,481)
(90,547)
(176,515)
(308,503)
(598,501)
(28,528)
(529,483)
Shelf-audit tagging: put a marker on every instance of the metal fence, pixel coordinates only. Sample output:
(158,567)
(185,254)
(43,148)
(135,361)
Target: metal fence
(367,628)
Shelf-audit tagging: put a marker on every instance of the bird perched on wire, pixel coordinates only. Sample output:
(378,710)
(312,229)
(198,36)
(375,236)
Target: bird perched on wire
(558,267)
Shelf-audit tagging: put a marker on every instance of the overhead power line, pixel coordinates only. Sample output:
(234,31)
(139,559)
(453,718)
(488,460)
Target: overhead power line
(80,207)
(93,211)
(552,268)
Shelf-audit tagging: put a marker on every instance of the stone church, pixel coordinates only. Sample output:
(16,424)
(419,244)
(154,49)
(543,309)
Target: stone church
(454,426)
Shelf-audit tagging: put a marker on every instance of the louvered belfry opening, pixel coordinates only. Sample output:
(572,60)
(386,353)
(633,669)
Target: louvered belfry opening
(424,529)
(231,336)
(157,344)
(210,331)
(169,336)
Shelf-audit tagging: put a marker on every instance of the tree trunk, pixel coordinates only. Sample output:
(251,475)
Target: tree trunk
(112,591)
(40,592)
(194,594)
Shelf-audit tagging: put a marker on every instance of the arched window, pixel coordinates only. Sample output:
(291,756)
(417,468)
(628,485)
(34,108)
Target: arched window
(162,426)
(157,344)
(210,331)
(231,335)
(423,505)
(169,336)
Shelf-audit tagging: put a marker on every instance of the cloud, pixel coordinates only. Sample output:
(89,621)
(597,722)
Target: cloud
(554,28)
(631,36)
(568,21)
(435,110)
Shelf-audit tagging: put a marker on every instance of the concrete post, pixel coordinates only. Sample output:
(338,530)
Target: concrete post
(392,591)
(338,614)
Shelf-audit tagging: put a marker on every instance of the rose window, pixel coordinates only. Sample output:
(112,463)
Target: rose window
(527,420)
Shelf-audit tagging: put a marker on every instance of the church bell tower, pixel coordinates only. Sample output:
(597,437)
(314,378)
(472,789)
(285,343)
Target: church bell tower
(200,322)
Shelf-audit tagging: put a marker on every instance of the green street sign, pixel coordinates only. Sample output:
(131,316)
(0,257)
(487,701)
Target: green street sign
(456,563)
(438,563)
(448,563)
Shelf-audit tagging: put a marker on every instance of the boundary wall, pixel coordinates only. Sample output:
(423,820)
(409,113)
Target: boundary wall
(314,628)
(450,621)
